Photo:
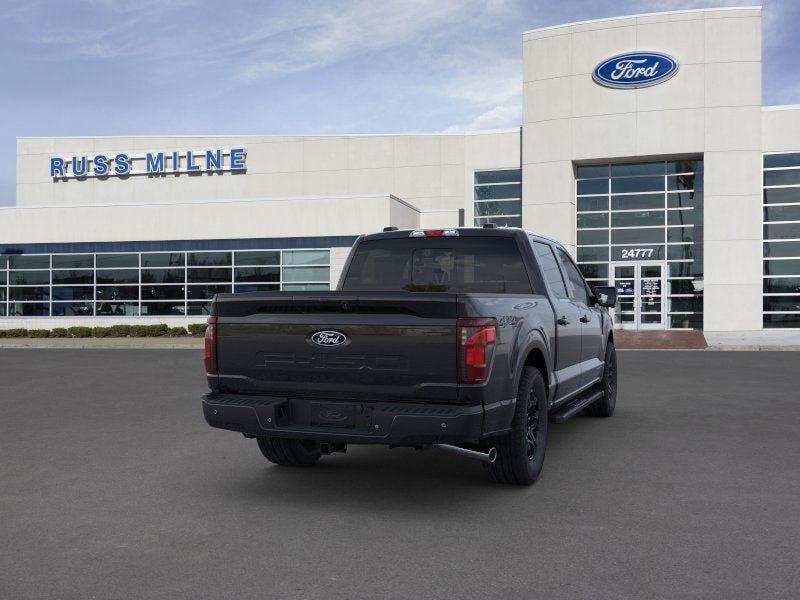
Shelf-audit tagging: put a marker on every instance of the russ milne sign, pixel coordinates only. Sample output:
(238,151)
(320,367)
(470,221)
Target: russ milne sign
(635,70)
(151,163)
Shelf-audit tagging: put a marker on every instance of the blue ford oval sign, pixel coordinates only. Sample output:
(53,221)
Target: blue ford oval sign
(635,70)
(329,338)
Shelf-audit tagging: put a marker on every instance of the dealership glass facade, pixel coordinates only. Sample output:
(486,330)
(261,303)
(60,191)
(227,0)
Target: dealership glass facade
(119,284)
(646,213)
(498,197)
(781,248)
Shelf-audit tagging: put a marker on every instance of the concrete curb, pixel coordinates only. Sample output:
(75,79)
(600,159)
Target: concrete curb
(166,343)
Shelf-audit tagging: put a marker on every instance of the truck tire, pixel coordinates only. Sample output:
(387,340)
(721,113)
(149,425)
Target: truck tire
(604,407)
(520,453)
(289,453)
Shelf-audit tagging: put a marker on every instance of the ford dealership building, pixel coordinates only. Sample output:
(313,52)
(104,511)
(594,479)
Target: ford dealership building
(644,148)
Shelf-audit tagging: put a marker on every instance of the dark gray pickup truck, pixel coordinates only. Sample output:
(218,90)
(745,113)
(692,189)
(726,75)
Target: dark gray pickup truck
(471,340)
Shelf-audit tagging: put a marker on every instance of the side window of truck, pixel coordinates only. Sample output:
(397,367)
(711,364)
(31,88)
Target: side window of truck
(577,285)
(550,270)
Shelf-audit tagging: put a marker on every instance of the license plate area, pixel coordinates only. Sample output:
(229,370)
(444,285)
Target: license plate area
(333,414)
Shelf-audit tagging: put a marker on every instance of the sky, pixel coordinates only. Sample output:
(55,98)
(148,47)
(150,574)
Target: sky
(170,67)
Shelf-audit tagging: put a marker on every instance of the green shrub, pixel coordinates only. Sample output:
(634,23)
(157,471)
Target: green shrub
(177,331)
(38,333)
(2,333)
(157,330)
(197,328)
(16,332)
(120,330)
(80,332)
(59,332)
(138,330)
(101,332)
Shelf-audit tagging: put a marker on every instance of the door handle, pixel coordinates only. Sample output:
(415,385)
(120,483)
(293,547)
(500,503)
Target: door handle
(584,319)
(563,321)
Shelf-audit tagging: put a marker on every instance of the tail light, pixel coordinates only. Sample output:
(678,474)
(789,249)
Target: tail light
(210,351)
(475,348)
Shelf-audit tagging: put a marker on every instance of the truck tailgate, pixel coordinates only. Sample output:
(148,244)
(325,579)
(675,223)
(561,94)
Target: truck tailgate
(339,345)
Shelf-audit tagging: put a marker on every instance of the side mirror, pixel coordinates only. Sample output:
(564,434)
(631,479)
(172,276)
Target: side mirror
(605,295)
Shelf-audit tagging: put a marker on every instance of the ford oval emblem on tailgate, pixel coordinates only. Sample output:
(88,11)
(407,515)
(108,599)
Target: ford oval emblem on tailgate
(328,338)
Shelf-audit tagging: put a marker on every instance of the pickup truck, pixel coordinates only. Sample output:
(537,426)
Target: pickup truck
(470,340)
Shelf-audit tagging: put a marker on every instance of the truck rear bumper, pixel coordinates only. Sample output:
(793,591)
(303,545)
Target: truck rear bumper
(392,423)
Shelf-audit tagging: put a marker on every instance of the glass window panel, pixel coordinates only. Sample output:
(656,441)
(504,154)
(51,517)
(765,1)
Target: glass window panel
(594,271)
(685,286)
(306,274)
(637,184)
(684,166)
(306,257)
(2,277)
(685,199)
(593,283)
(638,252)
(781,249)
(686,321)
(648,168)
(693,304)
(507,207)
(257,258)
(163,275)
(198,308)
(500,221)
(577,286)
(29,277)
(117,309)
(678,252)
(782,267)
(789,159)
(73,309)
(782,303)
(85,277)
(244,274)
(592,254)
(163,309)
(492,192)
(117,276)
(164,259)
(78,292)
(593,237)
(3,309)
(209,259)
(28,309)
(637,202)
(162,292)
(637,236)
(587,171)
(550,269)
(788,177)
(592,186)
(684,217)
(776,321)
(29,293)
(117,261)
(682,269)
(305,287)
(118,292)
(209,275)
(782,195)
(206,292)
(637,219)
(782,231)
(256,287)
(683,182)
(680,234)
(2,294)
(502,176)
(782,213)
(26,261)
(73,261)
(593,220)
(593,203)
(782,285)
(3,262)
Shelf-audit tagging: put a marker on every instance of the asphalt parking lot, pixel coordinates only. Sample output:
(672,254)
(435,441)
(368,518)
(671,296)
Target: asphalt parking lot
(112,486)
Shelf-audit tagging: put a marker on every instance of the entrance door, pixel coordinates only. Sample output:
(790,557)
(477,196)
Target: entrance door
(640,295)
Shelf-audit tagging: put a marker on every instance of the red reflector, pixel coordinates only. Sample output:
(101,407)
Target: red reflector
(210,347)
(476,337)
(434,232)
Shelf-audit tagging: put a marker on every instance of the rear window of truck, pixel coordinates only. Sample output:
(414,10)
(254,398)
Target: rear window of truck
(491,265)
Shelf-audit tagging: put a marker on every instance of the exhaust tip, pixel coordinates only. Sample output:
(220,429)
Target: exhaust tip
(492,454)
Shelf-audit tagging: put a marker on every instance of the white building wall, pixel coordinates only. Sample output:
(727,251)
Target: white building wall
(711,107)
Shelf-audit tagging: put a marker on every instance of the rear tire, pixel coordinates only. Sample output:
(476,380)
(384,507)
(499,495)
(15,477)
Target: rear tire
(520,453)
(289,453)
(604,407)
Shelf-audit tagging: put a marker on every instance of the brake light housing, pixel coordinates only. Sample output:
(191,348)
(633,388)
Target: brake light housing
(476,338)
(210,347)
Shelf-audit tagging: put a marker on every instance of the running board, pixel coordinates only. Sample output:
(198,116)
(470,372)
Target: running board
(576,406)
